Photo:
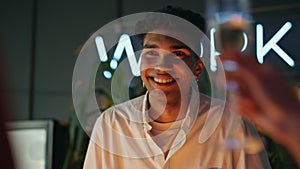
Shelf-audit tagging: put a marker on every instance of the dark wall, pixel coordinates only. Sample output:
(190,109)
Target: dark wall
(42,37)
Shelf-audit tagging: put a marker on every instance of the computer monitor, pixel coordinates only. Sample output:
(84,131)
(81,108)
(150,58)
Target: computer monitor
(32,143)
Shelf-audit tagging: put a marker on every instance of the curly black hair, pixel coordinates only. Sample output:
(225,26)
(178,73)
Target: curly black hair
(153,21)
(191,16)
(171,21)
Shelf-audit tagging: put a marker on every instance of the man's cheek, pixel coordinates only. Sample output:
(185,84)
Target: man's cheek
(146,65)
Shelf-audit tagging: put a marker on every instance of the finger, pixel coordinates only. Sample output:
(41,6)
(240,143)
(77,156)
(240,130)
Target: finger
(267,95)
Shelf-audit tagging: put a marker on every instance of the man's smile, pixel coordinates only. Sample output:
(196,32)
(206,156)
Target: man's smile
(162,80)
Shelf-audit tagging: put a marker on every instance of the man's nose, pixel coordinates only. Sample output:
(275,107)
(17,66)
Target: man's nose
(164,62)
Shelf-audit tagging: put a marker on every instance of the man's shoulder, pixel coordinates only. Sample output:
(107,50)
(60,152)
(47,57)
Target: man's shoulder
(208,104)
(123,118)
(128,110)
(132,103)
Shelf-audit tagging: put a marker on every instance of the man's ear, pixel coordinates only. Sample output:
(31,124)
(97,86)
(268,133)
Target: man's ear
(198,68)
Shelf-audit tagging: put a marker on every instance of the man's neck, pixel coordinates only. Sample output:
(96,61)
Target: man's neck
(168,110)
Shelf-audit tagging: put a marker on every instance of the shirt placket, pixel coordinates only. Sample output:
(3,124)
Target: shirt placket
(158,155)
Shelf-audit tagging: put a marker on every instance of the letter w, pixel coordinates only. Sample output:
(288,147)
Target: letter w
(123,43)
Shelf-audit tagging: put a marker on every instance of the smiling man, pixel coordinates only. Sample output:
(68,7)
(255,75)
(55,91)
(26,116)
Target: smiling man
(161,129)
(166,69)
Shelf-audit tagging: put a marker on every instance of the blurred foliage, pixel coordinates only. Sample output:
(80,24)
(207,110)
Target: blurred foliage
(78,138)
(279,157)
(78,142)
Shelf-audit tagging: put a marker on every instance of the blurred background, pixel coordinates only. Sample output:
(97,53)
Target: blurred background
(42,38)
(41,41)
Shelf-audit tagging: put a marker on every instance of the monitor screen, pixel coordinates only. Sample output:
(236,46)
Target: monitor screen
(31,143)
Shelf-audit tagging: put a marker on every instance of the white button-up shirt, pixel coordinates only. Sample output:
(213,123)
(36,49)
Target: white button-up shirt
(121,139)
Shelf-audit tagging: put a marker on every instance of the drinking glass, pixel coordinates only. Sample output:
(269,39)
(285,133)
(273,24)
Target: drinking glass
(230,21)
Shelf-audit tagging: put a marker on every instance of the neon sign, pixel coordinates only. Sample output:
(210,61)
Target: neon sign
(124,43)
(261,50)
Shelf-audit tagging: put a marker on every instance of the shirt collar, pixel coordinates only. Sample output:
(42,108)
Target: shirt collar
(189,119)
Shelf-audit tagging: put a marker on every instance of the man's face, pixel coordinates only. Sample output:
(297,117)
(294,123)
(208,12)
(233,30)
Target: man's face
(168,65)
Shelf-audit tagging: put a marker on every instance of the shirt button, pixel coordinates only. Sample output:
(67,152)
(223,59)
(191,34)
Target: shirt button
(147,127)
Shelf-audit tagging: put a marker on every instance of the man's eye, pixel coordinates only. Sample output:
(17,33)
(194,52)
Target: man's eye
(153,53)
(180,54)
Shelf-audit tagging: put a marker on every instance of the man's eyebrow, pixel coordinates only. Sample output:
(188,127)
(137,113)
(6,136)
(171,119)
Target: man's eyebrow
(180,47)
(172,47)
(150,46)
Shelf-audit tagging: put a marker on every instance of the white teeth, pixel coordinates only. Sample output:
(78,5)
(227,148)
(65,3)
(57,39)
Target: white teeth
(158,80)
